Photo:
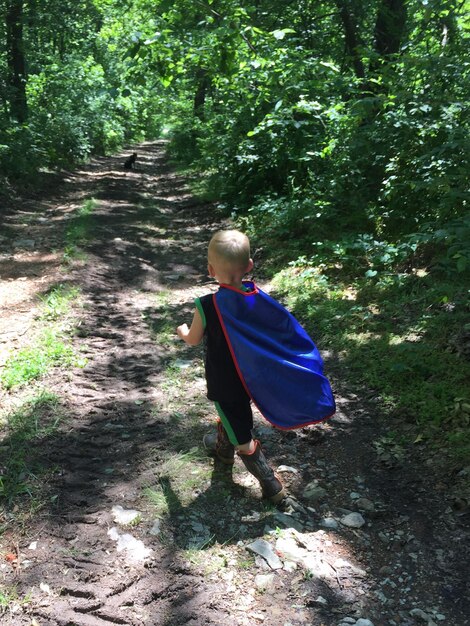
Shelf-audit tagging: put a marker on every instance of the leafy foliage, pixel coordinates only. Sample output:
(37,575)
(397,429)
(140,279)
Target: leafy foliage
(335,133)
(403,336)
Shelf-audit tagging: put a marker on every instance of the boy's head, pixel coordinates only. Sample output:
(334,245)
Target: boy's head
(229,253)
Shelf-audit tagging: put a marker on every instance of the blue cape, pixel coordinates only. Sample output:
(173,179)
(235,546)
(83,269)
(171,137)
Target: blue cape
(277,361)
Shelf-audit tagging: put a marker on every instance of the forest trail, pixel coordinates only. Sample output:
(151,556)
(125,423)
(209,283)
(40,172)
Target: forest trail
(136,526)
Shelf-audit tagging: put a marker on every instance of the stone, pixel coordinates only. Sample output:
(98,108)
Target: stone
(314,492)
(124,516)
(174,277)
(364,504)
(264,582)
(264,549)
(287,469)
(315,565)
(288,521)
(420,615)
(182,364)
(353,520)
(294,506)
(329,522)
(254,517)
(24,244)
(290,550)
(134,549)
(290,566)
(343,563)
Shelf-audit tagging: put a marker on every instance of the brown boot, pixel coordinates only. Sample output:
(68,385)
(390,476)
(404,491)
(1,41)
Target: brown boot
(218,444)
(257,465)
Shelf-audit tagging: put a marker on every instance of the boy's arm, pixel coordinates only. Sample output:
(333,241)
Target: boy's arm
(192,336)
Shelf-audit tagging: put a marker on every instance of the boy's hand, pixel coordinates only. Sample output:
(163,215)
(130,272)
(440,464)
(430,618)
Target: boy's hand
(182,331)
(192,336)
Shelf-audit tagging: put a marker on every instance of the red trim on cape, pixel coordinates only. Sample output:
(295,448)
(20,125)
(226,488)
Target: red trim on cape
(240,291)
(237,367)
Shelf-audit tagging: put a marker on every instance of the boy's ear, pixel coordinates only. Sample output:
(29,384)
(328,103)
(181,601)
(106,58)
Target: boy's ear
(210,269)
(249,266)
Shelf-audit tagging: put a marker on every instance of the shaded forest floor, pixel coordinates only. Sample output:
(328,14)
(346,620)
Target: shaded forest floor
(119,517)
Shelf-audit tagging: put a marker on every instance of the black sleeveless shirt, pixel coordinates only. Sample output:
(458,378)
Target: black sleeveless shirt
(223,381)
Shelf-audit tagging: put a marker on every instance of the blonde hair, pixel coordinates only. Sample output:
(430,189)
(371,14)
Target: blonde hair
(231,247)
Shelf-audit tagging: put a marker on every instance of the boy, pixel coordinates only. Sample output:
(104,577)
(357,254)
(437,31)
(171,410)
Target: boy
(253,346)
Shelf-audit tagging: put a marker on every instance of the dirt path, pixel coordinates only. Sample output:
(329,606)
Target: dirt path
(136,526)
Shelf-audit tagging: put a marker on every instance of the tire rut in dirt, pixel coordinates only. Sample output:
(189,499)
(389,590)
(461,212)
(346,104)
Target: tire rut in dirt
(112,429)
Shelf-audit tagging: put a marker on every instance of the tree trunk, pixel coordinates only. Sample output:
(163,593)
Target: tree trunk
(201,91)
(16,60)
(390,27)
(351,37)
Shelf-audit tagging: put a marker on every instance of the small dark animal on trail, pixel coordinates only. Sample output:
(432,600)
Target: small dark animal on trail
(129,163)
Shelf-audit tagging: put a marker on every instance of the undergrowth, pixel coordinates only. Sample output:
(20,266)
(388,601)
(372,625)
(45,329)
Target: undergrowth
(394,313)
(402,336)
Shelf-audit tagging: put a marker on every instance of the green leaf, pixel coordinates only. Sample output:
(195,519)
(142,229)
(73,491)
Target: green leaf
(153,39)
(330,66)
(133,50)
(280,34)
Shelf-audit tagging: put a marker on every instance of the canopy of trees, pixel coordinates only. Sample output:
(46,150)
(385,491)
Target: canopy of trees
(336,131)
(333,114)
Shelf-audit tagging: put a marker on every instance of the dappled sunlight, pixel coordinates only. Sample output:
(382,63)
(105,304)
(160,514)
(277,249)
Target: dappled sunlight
(123,433)
(335,135)
(23,277)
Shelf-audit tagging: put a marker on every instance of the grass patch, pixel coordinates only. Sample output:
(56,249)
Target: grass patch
(36,419)
(179,464)
(31,362)
(79,231)
(10,600)
(51,347)
(158,500)
(56,304)
(399,335)
(180,474)
(162,320)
